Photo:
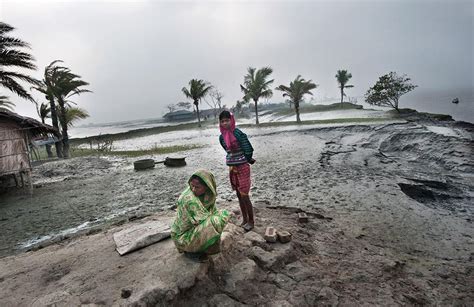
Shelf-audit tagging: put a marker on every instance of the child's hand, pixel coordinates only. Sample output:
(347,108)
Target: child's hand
(252,161)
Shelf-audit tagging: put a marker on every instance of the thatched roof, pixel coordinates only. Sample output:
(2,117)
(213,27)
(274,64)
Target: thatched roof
(35,127)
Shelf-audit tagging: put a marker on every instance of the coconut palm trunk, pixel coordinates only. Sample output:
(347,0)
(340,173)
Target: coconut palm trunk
(297,109)
(64,128)
(196,103)
(256,111)
(54,119)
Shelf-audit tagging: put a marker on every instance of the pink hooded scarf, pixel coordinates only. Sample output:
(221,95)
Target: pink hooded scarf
(228,134)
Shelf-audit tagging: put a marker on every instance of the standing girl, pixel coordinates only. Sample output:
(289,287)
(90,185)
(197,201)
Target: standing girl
(239,157)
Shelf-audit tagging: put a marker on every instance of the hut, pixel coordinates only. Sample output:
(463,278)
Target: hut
(16,134)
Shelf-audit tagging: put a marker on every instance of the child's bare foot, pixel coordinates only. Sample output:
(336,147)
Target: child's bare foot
(248,227)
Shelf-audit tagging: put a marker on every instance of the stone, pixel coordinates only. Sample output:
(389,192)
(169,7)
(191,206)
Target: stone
(240,274)
(302,217)
(272,260)
(254,237)
(141,235)
(223,300)
(270,235)
(284,236)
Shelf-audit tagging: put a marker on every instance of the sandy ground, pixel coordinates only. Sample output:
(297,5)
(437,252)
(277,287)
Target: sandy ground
(397,197)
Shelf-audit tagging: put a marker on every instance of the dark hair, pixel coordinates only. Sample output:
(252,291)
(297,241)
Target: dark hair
(198,178)
(224,114)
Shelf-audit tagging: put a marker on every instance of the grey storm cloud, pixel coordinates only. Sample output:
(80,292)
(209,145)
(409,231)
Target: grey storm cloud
(137,55)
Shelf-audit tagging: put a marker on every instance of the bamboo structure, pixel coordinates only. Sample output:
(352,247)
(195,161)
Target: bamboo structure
(16,133)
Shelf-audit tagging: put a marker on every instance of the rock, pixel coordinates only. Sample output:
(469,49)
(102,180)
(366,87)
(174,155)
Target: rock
(329,295)
(302,217)
(222,300)
(254,238)
(228,236)
(284,282)
(284,236)
(240,274)
(141,235)
(270,235)
(273,259)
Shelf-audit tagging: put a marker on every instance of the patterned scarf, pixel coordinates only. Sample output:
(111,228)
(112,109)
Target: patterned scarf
(228,134)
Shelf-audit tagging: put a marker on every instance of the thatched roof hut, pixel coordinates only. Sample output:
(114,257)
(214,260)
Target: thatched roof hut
(16,133)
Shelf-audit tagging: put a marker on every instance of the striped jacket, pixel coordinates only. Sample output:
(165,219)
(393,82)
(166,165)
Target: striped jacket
(241,156)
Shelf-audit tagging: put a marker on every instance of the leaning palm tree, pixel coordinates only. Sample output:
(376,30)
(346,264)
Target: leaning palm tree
(74,114)
(10,56)
(47,87)
(44,111)
(296,91)
(66,85)
(343,77)
(257,86)
(5,104)
(198,89)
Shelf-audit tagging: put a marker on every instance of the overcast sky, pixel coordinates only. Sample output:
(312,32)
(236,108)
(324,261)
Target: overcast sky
(137,55)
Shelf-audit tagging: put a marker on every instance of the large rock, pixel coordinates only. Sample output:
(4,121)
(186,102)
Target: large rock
(239,275)
(280,255)
(141,235)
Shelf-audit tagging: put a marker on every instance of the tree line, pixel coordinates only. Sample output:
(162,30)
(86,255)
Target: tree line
(58,85)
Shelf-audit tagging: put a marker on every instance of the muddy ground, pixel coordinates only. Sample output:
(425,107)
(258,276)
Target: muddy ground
(397,197)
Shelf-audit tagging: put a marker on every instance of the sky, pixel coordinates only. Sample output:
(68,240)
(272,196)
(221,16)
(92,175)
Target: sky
(138,55)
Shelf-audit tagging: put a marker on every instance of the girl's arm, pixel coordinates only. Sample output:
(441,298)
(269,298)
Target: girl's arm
(244,144)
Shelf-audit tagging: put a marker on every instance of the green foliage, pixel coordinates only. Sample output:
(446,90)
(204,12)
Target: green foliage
(44,111)
(257,86)
(296,91)
(5,104)
(12,57)
(388,89)
(343,77)
(197,90)
(74,114)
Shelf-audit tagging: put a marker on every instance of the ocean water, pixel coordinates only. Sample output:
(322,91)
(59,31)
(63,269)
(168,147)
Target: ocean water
(432,101)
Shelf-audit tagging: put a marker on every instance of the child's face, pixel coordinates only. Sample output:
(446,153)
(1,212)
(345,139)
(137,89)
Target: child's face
(225,123)
(197,187)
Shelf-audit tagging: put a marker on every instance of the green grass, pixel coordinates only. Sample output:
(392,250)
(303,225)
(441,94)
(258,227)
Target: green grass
(320,108)
(83,152)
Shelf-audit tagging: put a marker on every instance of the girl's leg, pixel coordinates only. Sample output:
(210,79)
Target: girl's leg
(249,209)
(243,209)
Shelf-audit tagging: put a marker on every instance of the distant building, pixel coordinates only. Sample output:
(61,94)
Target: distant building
(181,115)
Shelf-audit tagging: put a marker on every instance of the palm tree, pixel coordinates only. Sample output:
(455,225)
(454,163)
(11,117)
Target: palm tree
(343,77)
(296,91)
(46,87)
(44,111)
(256,86)
(74,114)
(66,85)
(11,57)
(5,104)
(197,90)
